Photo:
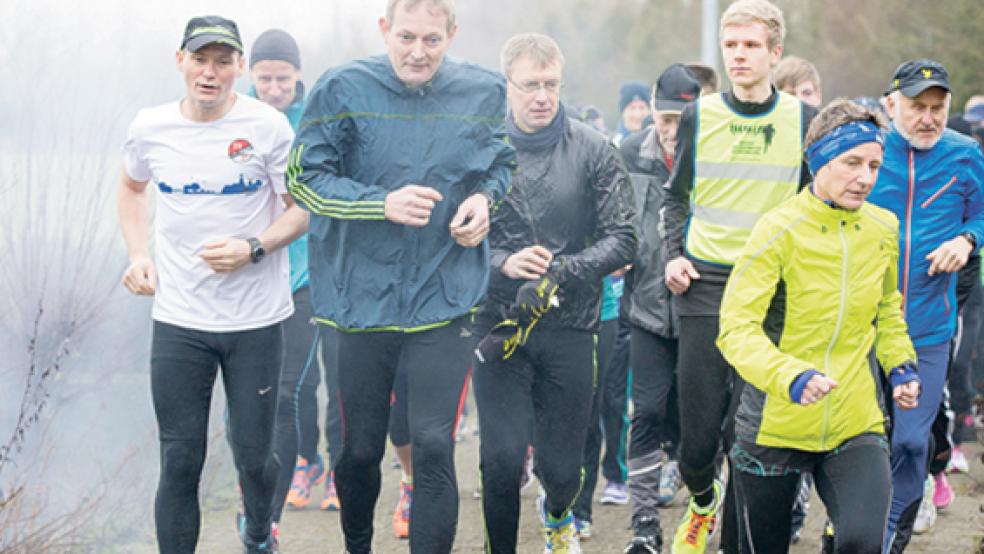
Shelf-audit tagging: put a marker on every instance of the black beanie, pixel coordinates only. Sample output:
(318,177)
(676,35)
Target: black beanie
(275,44)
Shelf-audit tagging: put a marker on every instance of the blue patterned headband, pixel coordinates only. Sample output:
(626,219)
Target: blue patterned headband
(840,140)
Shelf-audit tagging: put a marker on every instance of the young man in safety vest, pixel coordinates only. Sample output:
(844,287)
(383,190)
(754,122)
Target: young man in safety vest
(739,154)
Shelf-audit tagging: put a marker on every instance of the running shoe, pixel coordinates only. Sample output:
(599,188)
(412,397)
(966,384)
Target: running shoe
(615,493)
(827,539)
(270,545)
(583,528)
(643,545)
(958,461)
(528,465)
(401,515)
(240,510)
(331,502)
(669,483)
(943,494)
(306,476)
(560,535)
(926,516)
(698,524)
(646,537)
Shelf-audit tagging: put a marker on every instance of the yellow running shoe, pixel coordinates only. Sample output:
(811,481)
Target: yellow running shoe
(697,525)
(561,537)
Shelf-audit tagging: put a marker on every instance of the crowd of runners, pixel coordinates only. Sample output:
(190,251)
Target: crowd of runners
(740,291)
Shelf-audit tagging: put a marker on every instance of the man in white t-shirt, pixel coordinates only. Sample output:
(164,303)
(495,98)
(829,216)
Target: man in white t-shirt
(219,278)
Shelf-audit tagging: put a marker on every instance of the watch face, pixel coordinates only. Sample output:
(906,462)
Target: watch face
(256,250)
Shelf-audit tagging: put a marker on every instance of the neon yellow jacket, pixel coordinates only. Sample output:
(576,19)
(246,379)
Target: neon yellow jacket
(839,271)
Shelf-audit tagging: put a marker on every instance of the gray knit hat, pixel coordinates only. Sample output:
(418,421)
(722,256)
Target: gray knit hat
(275,44)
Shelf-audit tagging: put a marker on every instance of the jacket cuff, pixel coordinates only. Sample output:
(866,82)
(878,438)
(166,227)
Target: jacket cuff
(799,384)
(902,374)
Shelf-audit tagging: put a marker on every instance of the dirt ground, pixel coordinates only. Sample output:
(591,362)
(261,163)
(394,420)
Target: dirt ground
(957,530)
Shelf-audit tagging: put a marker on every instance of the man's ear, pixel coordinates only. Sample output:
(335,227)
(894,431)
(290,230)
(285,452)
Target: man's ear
(384,27)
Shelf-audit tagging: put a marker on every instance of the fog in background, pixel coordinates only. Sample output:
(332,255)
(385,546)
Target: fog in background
(74,346)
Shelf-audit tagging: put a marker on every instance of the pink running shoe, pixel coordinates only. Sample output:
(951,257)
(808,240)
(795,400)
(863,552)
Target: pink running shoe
(943,496)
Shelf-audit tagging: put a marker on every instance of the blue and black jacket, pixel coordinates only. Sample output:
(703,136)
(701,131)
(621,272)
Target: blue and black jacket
(936,194)
(365,134)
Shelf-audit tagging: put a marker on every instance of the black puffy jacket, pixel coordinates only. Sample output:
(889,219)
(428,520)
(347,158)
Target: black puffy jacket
(575,200)
(646,302)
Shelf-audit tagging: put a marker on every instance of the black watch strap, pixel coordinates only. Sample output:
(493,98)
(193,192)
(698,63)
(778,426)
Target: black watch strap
(256,251)
(970,238)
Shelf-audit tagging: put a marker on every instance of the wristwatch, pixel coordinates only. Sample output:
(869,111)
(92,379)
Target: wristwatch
(256,251)
(970,238)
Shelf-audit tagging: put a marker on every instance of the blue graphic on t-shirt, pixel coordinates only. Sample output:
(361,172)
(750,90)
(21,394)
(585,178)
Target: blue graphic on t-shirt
(242,186)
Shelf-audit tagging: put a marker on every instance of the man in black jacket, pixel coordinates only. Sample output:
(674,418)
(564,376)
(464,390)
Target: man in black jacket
(565,224)
(648,157)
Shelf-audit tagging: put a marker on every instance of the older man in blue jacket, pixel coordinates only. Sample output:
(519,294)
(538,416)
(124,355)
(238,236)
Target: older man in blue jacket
(399,159)
(932,180)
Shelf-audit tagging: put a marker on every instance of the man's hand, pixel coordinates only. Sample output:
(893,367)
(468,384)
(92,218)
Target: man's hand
(226,255)
(527,264)
(951,256)
(411,205)
(679,273)
(470,224)
(906,396)
(816,388)
(141,277)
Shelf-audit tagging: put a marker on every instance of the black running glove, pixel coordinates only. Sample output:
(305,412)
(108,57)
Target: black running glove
(501,342)
(535,298)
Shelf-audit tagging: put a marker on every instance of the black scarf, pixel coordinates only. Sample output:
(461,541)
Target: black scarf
(545,138)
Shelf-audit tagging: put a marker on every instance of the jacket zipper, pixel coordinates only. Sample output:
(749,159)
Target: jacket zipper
(411,232)
(833,339)
(938,193)
(908,232)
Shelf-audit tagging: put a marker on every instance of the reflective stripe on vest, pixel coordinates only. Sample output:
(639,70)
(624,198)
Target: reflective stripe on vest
(743,167)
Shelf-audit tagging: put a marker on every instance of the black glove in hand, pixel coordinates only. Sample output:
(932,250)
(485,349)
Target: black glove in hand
(501,342)
(535,298)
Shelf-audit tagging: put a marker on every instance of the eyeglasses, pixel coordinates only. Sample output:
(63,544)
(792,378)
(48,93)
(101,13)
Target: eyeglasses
(531,87)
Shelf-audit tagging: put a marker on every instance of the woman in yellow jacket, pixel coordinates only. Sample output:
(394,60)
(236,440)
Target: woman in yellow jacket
(826,262)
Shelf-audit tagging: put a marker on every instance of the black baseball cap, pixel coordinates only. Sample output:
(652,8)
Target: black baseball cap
(675,87)
(913,77)
(211,29)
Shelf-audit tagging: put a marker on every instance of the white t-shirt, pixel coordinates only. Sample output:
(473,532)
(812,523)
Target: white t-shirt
(214,180)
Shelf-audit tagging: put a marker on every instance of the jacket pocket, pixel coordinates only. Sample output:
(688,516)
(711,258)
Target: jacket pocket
(937,194)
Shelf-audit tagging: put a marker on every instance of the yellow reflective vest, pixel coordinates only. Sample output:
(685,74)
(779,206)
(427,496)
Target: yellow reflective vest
(840,272)
(743,167)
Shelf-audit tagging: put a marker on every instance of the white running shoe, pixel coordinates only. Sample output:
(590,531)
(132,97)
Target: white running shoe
(926,516)
(958,461)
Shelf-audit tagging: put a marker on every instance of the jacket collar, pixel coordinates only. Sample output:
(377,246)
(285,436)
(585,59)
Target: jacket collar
(651,149)
(296,108)
(391,81)
(894,140)
(819,209)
